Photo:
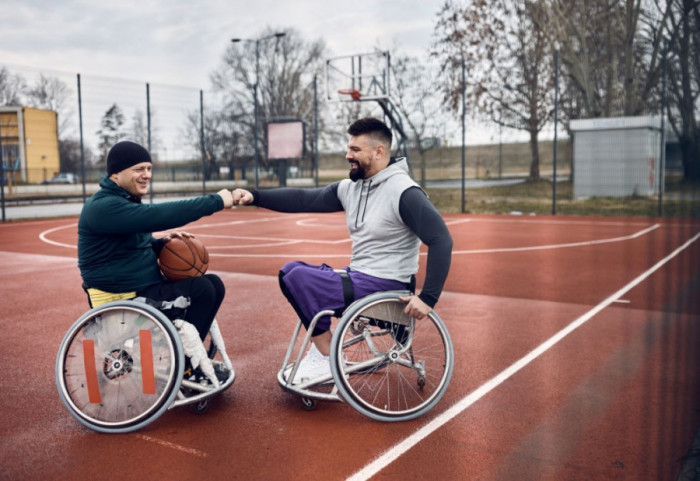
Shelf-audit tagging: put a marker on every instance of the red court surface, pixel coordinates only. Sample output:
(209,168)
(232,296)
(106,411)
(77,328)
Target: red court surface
(575,359)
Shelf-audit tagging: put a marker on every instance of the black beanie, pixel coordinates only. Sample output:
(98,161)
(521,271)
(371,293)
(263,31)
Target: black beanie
(124,154)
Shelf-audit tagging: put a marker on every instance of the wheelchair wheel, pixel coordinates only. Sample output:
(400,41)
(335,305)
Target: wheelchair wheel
(119,367)
(387,365)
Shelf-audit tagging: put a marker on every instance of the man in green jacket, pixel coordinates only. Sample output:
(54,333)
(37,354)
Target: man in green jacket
(118,254)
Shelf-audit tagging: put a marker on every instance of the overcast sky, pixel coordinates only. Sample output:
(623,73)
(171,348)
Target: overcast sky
(181,42)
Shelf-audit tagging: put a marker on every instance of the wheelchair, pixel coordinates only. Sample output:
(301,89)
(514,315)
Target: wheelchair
(385,364)
(121,366)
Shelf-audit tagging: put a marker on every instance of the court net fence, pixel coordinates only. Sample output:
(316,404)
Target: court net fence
(618,176)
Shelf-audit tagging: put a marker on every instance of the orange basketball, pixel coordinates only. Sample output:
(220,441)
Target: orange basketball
(182,258)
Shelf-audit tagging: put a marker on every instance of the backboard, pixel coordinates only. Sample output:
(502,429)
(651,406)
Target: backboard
(359,77)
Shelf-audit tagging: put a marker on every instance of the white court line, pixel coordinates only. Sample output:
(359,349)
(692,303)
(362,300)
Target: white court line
(561,246)
(275,242)
(43,237)
(194,452)
(458,252)
(400,448)
(533,220)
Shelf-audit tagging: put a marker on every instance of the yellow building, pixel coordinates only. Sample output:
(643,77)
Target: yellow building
(29,139)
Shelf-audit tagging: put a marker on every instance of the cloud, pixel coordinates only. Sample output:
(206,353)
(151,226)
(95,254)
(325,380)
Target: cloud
(182,42)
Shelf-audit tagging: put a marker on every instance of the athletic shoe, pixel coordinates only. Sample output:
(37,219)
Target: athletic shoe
(222,372)
(314,365)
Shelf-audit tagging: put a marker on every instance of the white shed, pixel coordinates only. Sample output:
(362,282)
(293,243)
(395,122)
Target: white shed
(616,157)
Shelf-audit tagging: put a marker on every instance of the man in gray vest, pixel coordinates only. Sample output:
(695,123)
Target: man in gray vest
(388,216)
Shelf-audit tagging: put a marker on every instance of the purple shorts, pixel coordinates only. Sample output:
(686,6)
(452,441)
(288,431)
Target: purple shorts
(311,289)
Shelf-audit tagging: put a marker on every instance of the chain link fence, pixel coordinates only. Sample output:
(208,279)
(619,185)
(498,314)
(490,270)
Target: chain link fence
(489,173)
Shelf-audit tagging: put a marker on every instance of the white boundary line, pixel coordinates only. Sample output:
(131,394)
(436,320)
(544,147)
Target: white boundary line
(43,235)
(168,444)
(400,448)
(457,252)
(276,241)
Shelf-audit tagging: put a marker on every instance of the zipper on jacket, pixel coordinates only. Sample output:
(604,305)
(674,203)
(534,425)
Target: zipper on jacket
(359,205)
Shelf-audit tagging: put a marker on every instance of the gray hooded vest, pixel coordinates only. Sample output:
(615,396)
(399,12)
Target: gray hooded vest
(382,245)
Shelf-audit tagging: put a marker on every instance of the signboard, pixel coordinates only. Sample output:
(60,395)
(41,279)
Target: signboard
(285,139)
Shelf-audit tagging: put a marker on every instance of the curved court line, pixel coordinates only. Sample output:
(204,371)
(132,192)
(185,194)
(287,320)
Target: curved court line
(400,448)
(276,242)
(464,252)
(561,246)
(43,237)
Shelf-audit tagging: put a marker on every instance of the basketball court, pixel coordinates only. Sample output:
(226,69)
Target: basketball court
(575,358)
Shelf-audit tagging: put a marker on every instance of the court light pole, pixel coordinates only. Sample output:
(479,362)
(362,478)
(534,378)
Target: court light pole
(255,91)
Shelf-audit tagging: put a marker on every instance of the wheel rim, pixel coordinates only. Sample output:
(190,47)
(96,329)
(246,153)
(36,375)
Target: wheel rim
(119,368)
(392,370)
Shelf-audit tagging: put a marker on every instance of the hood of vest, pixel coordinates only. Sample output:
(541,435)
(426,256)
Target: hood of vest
(398,167)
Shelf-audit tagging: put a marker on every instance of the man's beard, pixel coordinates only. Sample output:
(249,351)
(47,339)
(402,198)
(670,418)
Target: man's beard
(357,174)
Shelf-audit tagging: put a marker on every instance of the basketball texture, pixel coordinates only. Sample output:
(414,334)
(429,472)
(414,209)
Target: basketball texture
(182,258)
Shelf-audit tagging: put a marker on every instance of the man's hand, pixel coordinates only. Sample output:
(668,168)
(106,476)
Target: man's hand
(416,308)
(180,234)
(242,197)
(227,197)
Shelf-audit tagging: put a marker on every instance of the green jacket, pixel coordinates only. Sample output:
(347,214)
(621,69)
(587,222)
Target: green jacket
(116,249)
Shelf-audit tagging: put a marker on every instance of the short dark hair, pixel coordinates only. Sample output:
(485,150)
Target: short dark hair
(375,128)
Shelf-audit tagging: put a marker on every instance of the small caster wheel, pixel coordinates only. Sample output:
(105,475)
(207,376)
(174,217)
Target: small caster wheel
(201,407)
(308,403)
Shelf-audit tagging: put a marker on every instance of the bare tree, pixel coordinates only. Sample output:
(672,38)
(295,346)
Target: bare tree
(50,93)
(683,34)
(613,53)
(284,68)
(224,140)
(508,59)
(612,63)
(416,101)
(13,88)
(139,130)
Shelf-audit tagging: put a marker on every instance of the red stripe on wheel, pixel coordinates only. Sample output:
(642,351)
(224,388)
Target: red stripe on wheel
(91,371)
(148,377)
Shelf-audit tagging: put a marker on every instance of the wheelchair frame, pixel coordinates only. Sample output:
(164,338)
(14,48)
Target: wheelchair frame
(375,352)
(120,367)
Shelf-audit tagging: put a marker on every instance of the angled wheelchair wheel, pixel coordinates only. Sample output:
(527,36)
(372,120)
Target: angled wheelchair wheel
(387,365)
(119,367)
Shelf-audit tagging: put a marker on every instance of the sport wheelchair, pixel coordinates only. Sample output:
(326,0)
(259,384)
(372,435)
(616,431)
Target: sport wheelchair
(385,364)
(121,366)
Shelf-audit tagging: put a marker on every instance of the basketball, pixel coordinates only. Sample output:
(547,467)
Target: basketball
(182,258)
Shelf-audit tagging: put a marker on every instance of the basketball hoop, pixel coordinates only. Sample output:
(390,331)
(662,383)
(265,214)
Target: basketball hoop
(354,93)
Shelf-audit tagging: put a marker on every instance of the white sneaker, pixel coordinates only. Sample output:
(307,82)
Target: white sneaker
(313,365)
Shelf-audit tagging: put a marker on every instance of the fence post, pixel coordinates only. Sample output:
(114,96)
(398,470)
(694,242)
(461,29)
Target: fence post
(662,148)
(2,176)
(315,131)
(82,144)
(556,105)
(201,142)
(464,135)
(148,123)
